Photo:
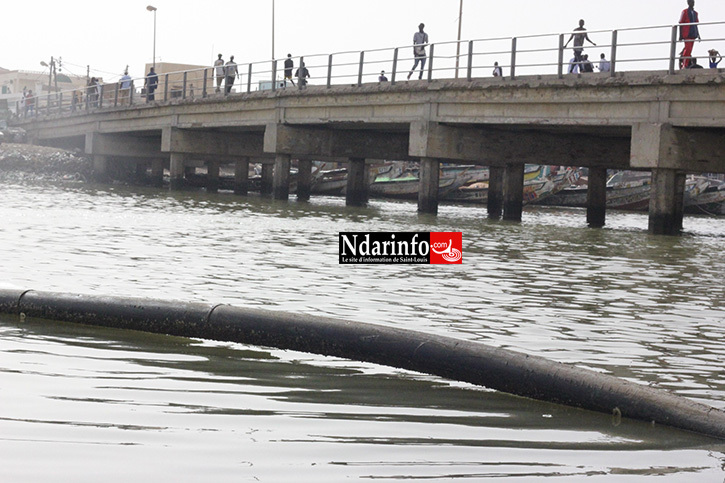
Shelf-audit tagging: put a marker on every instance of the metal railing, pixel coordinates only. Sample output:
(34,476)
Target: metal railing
(638,48)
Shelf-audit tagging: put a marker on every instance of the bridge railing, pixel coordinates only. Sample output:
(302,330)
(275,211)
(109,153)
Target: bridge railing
(637,48)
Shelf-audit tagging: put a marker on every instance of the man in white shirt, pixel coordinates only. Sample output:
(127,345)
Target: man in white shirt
(604,64)
(420,39)
(573,66)
(230,70)
(219,72)
(125,87)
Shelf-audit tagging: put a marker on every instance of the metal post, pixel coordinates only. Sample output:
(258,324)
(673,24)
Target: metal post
(130,94)
(166,88)
(274,75)
(613,56)
(430,63)
(360,68)
(100,95)
(395,66)
(469,74)
(249,79)
(204,84)
(300,77)
(513,58)
(329,71)
(673,49)
(183,87)
(561,56)
(60,103)
(115,97)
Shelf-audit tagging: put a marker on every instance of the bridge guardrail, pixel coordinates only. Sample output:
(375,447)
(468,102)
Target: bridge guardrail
(652,48)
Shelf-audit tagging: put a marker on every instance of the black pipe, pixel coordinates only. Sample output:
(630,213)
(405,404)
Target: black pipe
(472,362)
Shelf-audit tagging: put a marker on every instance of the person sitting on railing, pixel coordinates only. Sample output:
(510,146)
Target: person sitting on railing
(688,33)
(586,65)
(381,77)
(715,58)
(231,72)
(420,39)
(604,64)
(125,87)
(694,64)
(152,82)
(497,71)
(302,75)
(573,66)
(579,37)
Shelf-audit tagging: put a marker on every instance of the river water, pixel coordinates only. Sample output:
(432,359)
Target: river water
(89,404)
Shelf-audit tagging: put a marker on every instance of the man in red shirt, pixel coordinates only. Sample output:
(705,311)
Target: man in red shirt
(688,33)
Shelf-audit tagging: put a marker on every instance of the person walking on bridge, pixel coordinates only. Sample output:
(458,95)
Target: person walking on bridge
(152,82)
(231,71)
(289,64)
(579,37)
(420,39)
(219,72)
(688,33)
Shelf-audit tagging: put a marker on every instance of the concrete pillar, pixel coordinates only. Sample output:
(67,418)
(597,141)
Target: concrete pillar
(513,192)
(176,171)
(666,199)
(100,167)
(281,177)
(428,187)
(241,176)
(597,197)
(304,179)
(212,176)
(494,202)
(267,181)
(157,171)
(356,193)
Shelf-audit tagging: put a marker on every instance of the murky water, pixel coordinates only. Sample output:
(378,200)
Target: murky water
(88,404)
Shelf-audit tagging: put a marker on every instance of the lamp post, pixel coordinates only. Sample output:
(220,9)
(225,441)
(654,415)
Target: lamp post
(458,44)
(272,29)
(151,8)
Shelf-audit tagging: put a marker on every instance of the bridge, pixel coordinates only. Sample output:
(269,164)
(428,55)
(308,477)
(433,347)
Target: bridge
(668,121)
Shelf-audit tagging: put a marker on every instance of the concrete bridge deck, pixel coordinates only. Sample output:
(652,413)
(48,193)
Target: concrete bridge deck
(672,124)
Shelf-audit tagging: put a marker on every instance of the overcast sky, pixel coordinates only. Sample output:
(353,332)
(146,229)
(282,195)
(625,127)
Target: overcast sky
(110,35)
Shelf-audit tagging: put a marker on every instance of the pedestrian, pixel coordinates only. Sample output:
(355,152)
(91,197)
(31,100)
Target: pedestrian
(604,64)
(302,75)
(694,64)
(381,77)
(29,102)
(125,87)
(497,71)
(573,66)
(586,65)
(231,72)
(715,58)
(579,37)
(218,72)
(152,82)
(420,40)
(688,32)
(289,65)
(92,92)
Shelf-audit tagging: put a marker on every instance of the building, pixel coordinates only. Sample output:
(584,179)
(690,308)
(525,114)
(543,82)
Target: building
(14,82)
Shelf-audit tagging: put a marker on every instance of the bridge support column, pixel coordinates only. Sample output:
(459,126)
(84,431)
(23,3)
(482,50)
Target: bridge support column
(241,176)
(666,202)
(494,202)
(176,171)
(357,182)
(281,177)
(597,197)
(513,192)
(157,171)
(267,181)
(428,188)
(304,179)
(100,167)
(212,176)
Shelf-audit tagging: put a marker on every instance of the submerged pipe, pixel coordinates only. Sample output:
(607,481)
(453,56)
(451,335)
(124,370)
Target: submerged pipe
(472,362)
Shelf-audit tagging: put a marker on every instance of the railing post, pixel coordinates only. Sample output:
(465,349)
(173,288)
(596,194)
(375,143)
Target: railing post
(100,95)
(183,87)
(469,73)
(560,68)
(47,104)
(166,88)
(300,77)
(430,63)
(60,103)
(513,58)
(204,84)
(395,66)
(673,49)
(274,75)
(115,99)
(130,94)
(329,71)
(360,68)
(249,79)
(613,56)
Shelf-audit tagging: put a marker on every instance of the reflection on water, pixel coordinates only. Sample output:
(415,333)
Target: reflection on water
(86,402)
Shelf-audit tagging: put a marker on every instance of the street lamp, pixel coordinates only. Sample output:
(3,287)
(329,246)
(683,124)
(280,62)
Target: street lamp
(458,44)
(151,8)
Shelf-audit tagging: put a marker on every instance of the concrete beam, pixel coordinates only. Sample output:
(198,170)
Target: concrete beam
(498,147)
(122,145)
(323,142)
(694,150)
(210,143)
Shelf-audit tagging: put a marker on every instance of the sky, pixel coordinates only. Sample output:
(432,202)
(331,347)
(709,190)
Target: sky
(107,36)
